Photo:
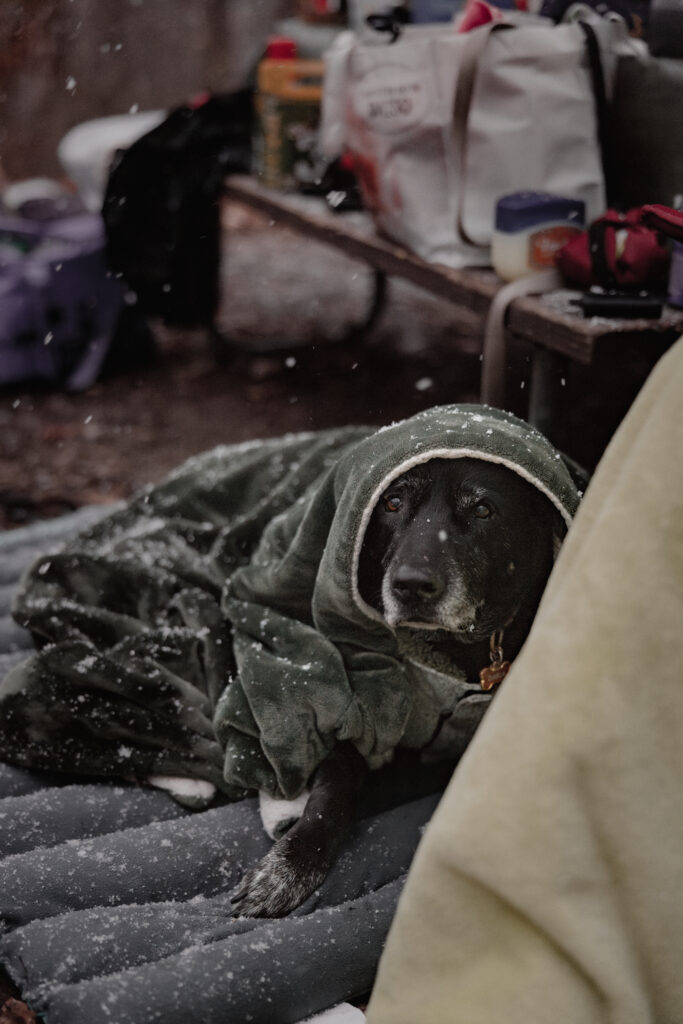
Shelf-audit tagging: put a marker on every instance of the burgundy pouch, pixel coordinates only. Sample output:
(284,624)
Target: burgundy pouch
(619,250)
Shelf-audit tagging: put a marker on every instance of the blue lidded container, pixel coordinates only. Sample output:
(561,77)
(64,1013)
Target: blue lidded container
(429,11)
(530,227)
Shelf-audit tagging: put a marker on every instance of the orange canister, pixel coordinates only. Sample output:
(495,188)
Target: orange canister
(288,97)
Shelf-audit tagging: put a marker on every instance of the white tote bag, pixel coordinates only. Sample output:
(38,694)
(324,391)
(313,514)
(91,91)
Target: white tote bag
(441,124)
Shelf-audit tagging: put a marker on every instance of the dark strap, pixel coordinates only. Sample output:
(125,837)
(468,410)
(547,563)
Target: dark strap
(391,20)
(601,107)
(601,271)
(475,45)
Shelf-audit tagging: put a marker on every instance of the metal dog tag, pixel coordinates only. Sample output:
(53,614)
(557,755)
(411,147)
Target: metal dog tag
(494,674)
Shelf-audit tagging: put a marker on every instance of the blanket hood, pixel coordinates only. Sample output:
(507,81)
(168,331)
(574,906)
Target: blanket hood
(446,432)
(341,673)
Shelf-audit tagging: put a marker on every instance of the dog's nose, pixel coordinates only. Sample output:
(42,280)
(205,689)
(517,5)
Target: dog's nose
(418,583)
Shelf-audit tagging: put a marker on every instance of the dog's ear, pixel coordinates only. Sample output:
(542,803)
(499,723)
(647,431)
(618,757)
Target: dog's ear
(579,475)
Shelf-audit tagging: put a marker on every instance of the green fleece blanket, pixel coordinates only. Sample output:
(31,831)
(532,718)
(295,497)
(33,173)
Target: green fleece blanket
(213,627)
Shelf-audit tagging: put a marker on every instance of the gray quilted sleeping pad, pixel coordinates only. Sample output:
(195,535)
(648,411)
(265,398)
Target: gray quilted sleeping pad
(114,900)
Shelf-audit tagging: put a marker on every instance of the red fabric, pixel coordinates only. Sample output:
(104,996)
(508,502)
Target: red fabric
(281,48)
(664,219)
(476,13)
(628,253)
(199,100)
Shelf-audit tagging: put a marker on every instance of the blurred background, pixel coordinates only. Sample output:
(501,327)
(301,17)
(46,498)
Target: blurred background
(67,61)
(287,356)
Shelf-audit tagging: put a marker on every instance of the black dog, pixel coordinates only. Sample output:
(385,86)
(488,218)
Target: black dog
(460,549)
(464,548)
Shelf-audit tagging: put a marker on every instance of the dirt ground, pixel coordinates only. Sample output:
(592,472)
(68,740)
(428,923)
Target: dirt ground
(292,362)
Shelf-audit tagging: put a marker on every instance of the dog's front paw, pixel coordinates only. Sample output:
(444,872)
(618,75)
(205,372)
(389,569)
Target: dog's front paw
(279,883)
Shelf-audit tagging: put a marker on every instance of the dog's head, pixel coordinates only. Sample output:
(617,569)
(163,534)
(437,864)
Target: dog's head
(460,544)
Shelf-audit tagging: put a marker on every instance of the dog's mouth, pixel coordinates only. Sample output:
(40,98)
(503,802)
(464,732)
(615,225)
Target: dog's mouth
(468,623)
(465,623)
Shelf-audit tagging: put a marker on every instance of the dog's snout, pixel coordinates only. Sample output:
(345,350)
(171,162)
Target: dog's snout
(413,583)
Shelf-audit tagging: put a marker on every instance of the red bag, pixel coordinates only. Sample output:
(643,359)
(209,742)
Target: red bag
(618,250)
(664,219)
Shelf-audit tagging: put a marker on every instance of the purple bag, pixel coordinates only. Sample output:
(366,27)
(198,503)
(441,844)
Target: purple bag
(59,303)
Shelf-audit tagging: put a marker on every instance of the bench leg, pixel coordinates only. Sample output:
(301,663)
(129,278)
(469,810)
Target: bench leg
(547,393)
(356,332)
(376,307)
(493,368)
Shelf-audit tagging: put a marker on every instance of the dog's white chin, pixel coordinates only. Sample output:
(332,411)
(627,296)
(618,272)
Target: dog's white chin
(411,623)
(464,628)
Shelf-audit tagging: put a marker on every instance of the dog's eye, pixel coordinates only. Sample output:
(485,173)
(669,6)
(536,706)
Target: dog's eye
(392,502)
(482,510)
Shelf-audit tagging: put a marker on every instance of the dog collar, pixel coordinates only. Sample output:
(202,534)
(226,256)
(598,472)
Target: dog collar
(495,673)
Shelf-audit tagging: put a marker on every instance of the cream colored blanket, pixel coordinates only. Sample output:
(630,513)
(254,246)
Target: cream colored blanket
(549,885)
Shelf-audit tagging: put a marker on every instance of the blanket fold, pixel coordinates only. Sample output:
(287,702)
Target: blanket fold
(213,627)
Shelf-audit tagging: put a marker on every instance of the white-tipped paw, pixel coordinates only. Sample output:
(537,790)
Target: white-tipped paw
(277,884)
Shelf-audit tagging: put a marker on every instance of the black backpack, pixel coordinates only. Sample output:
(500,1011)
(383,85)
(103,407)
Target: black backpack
(161,207)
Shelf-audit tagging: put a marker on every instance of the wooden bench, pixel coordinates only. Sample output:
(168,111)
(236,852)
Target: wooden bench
(549,322)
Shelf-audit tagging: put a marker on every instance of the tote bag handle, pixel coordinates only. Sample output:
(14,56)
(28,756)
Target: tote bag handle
(475,44)
(597,74)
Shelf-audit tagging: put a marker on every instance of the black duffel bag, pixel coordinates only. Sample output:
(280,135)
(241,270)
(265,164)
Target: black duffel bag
(161,207)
